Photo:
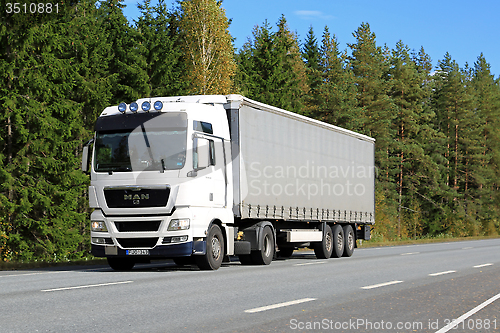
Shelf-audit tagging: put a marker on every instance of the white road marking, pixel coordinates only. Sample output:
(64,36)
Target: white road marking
(280,305)
(462,318)
(88,286)
(442,273)
(409,253)
(39,273)
(467,248)
(483,265)
(381,284)
(311,263)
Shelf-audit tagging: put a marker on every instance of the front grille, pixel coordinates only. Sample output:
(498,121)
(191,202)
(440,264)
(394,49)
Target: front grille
(128,243)
(137,226)
(136,197)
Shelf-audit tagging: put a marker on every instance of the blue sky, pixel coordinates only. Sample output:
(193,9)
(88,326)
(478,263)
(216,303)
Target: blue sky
(462,28)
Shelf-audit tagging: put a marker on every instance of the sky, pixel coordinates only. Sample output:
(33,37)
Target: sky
(465,29)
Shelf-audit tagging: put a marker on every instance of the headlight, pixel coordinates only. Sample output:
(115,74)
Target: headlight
(98,226)
(178,224)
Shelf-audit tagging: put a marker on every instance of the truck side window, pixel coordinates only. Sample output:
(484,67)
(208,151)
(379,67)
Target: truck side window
(202,126)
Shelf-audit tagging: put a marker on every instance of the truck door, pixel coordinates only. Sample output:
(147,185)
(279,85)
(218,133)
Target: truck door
(210,165)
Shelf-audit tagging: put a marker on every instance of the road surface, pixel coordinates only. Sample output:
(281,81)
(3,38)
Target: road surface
(416,288)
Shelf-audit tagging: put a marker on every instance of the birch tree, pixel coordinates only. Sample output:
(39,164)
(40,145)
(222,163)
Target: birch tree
(207,45)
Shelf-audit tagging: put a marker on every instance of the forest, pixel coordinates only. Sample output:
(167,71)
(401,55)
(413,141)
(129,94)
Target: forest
(437,127)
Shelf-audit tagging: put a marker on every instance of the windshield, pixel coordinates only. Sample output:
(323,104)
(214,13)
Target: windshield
(154,145)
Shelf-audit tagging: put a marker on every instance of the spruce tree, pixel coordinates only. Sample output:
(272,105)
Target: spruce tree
(296,88)
(159,35)
(271,69)
(487,94)
(459,124)
(311,56)
(336,101)
(416,169)
(40,177)
(127,66)
(369,65)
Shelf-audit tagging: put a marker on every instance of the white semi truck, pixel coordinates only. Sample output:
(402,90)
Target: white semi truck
(201,178)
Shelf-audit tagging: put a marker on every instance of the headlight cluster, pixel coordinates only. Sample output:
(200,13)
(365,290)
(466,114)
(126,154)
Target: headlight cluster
(98,226)
(178,224)
(145,106)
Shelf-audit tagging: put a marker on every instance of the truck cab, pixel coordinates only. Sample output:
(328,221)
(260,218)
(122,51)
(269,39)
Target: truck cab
(159,179)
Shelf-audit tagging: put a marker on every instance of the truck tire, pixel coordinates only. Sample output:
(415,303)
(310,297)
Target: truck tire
(120,264)
(338,241)
(265,255)
(212,259)
(349,240)
(323,249)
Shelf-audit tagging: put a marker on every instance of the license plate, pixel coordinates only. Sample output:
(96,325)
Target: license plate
(138,252)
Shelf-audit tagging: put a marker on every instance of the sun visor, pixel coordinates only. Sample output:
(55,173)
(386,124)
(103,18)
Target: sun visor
(159,120)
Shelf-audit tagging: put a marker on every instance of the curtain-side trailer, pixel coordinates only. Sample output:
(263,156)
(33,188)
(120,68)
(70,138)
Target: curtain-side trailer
(201,178)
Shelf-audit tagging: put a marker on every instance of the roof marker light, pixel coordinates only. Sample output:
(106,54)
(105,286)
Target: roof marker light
(158,105)
(122,107)
(134,107)
(146,106)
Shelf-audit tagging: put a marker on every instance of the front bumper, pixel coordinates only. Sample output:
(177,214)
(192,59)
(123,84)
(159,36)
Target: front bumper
(159,251)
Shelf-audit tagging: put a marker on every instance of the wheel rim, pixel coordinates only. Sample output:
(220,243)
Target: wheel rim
(216,248)
(340,241)
(350,240)
(267,246)
(328,241)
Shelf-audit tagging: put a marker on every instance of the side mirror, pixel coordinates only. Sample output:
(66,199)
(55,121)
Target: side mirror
(201,153)
(85,156)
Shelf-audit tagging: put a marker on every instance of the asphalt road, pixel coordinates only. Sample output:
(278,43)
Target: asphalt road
(417,288)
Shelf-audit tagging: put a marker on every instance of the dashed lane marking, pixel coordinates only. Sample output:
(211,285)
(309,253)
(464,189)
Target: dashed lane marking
(88,286)
(442,273)
(381,284)
(280,305)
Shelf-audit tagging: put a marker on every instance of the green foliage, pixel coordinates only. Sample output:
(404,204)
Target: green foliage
(271,69)
(207,46)
(437,148)
(164,67)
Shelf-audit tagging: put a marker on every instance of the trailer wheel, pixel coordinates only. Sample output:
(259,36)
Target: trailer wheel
(212,260)
(349,240)
(120,264)
(323,249)
(338,241)
(265,255)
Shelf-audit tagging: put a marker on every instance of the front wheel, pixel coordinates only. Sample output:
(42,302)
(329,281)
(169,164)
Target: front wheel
(212,259)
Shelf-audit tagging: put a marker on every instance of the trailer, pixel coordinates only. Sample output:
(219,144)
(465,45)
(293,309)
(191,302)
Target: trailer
(200,178)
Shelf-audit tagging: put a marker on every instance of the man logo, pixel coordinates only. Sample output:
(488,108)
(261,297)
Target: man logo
(136,197)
